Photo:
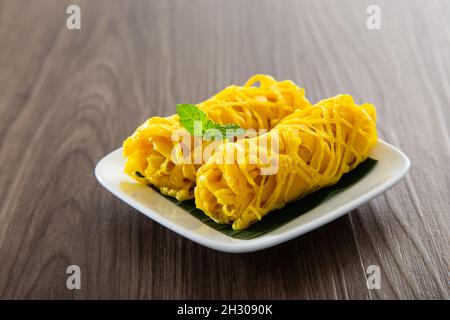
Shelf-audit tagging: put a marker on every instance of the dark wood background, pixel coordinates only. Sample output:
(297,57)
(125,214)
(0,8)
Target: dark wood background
(67,98)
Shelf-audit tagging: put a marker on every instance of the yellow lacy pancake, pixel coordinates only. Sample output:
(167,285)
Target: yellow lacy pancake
(317,145)
(148,150)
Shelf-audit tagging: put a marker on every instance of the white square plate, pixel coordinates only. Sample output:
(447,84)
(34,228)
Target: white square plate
(391,167)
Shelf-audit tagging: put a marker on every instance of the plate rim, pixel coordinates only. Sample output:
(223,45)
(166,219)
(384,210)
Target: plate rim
(260,243)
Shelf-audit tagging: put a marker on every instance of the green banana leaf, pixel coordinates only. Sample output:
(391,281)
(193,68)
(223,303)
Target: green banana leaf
(277,218)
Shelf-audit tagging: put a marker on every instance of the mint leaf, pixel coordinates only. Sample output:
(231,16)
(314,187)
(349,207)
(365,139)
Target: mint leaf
(226,130)
(190,116)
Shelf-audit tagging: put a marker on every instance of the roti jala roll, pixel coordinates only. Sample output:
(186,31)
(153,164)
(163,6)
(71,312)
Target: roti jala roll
(148,151)
(315,146)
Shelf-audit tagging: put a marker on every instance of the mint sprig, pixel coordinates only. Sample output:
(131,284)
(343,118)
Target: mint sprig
(197,123)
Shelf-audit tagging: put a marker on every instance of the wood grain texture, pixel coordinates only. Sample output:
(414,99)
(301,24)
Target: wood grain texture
(69,97)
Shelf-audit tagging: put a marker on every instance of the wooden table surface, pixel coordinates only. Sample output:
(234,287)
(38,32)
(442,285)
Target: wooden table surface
(68,97)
